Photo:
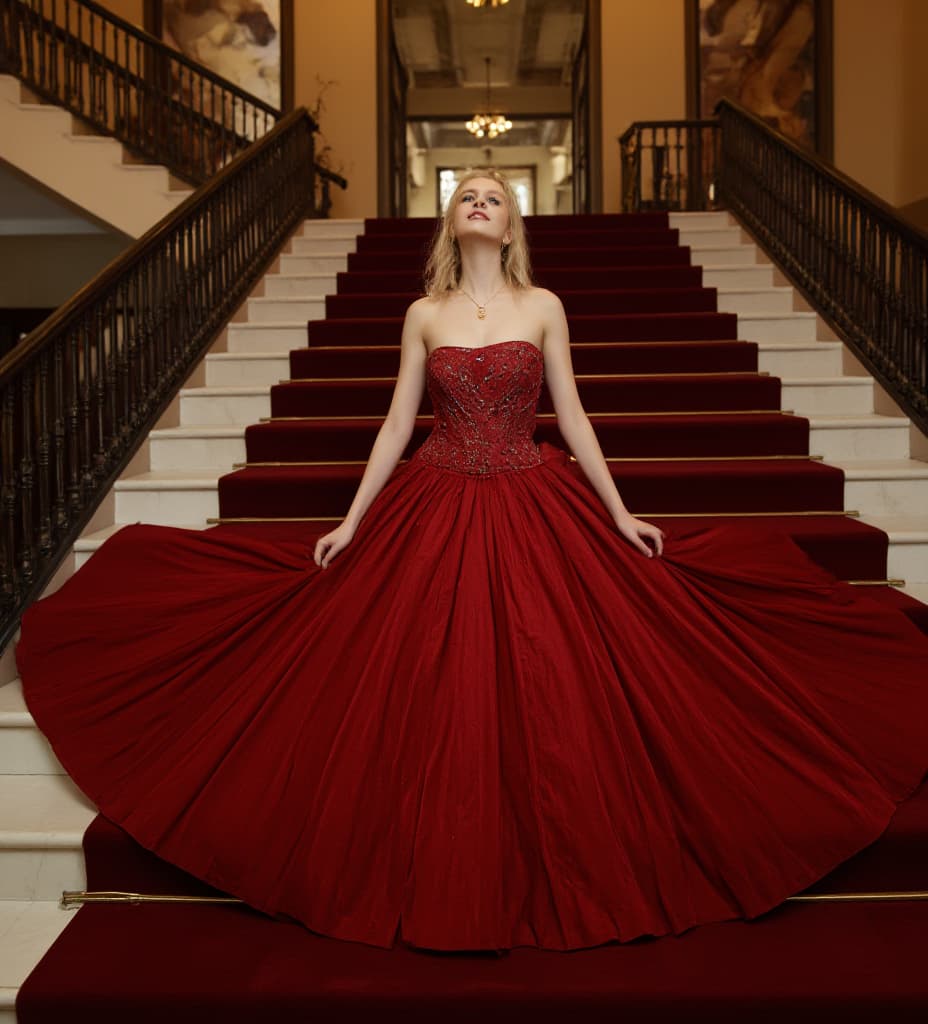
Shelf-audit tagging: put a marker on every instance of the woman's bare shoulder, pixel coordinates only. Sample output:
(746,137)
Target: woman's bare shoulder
(542,298)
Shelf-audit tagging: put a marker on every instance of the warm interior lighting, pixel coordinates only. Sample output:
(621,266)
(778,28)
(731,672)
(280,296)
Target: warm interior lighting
(483,3)
(488,125)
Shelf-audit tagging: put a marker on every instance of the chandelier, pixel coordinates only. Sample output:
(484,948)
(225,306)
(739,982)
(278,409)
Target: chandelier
(483,3)
(489,125)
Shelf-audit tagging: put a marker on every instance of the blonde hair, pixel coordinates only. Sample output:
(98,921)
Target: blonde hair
(443,268)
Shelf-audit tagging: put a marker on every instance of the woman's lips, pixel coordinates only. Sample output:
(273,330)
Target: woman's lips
(477,213)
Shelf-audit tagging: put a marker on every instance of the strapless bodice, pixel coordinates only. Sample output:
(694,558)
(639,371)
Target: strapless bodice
(484,400)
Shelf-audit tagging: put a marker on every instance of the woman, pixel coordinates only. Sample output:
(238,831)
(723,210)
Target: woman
(477,717)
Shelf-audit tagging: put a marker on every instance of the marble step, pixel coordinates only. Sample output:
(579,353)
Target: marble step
(333,227)
(23,749)
(859,436)
(299,286)
(246,368)
(288,310)
(755,300)
(702,236)
(723,255)
(885,487)
(168,497)
(771,325)
(279,337)
(758,275)
(800,358)
(701,218)
(225,405)
(827,395)
(27,929)
(42,822)
(908,546)
(219,447)
(319,244)
(326,263)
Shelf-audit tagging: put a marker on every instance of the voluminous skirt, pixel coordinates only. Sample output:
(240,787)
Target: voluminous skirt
(490,722)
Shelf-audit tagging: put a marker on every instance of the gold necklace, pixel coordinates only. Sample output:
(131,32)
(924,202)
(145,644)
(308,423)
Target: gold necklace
(482,310)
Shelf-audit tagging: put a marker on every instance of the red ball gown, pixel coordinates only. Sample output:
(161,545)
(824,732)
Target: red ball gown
(490,722)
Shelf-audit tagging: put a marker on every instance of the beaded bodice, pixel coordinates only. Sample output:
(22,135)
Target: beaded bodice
(484,400)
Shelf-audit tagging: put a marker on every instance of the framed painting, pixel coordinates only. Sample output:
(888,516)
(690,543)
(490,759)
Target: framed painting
(774,57)
(249,42)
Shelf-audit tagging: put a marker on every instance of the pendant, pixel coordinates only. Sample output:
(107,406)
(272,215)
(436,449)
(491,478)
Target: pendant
(481,312)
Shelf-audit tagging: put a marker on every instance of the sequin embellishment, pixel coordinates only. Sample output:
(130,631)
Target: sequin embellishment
(485,400)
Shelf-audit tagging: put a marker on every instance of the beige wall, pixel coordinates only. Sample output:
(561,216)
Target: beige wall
(336,40)
(644,75)
(67,263)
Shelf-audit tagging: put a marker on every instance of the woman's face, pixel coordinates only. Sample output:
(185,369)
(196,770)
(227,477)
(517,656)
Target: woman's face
(481,210)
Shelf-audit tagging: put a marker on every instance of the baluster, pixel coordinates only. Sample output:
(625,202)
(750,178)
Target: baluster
(26,479)
(60,436)
(9,584)
(43,452)
(74,425)
(86,402)
(99,389)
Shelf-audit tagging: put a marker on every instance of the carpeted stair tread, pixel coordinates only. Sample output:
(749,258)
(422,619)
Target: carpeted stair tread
(627,357)
(583,328)
(646,487)
(617,256)
(895,598)
(540,239)
(556,278)
(800,963)
(705,434)
(637,393)
(586,302)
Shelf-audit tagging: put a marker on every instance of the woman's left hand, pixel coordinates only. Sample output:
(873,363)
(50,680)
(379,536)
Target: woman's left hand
(639,533)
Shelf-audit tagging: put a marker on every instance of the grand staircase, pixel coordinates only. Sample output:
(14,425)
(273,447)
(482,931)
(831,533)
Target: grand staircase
(94,172)
(715,395)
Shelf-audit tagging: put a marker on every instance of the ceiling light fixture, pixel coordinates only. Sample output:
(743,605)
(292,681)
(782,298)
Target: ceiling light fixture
(483,3)
(487,124)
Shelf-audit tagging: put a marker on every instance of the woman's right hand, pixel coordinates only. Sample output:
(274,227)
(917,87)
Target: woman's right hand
(330,544)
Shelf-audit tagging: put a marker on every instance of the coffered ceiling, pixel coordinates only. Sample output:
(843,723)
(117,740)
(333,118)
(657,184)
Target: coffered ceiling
(443,45)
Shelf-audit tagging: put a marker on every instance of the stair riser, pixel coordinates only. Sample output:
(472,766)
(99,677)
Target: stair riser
(245,372)
(266,338)
(285,286)
(698,237)
(223,410)
(794,328)
(908,561)
(166,507)
(763,300)
(40,874)
(267,311)
(711,256)
(218,453)
(823,399)
(331,228)
(886,496)
(757,276)
(25,751)
(859,443)
(315,246)
(312,264)
(807,362)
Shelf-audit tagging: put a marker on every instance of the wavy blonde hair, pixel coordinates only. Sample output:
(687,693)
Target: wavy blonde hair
(443,268)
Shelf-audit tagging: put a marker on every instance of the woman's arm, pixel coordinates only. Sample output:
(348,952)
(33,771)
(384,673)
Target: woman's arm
(392,438)
(576,429)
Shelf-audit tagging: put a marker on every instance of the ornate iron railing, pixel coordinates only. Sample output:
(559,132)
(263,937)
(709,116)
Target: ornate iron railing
(850,254)
(81,392)
(129,85)
(670,165)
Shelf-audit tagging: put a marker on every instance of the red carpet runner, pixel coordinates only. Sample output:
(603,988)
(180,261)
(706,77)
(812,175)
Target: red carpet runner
(666,382)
